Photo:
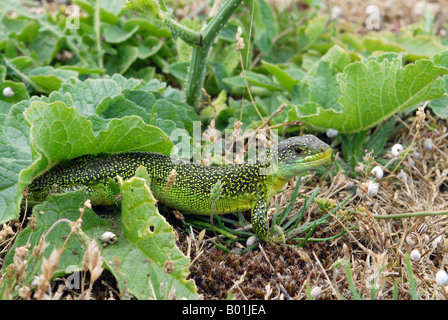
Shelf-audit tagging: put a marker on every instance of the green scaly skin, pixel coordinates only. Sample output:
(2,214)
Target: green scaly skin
(244,187)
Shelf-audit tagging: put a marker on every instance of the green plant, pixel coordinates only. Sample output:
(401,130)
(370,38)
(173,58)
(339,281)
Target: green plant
(350,103)
(201,41)
(413,285)
(146,238)
(117,82)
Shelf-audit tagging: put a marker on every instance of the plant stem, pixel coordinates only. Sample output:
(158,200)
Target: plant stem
(25,78)
(196,72)
(163,6)
(219,20)
(188,35)
(410,214)
(199,56)
(200,41)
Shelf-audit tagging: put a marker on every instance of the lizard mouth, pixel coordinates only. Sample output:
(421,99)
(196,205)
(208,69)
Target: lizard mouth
(317,159)
(293,167)
(310,161)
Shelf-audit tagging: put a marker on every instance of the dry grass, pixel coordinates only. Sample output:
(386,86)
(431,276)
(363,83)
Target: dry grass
(420,186)
(44,285)
(395,14)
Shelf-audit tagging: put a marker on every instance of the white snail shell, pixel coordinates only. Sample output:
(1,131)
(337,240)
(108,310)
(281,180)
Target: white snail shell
(441,278)
(396,149)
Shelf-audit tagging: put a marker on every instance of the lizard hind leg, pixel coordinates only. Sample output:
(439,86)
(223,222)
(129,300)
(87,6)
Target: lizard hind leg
(260,223)
(100,194)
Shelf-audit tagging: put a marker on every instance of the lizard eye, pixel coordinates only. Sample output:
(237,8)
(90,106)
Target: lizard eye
(297,150)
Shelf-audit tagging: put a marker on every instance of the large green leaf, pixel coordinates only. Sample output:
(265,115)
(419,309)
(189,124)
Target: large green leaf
(18,88)
(55,208)
(440,106)
(370,92)
(88,94)
(136,259)
(285,80)
(309,33)
(265,26)
(15,156)
(115,34)
(148,231)
(51,132)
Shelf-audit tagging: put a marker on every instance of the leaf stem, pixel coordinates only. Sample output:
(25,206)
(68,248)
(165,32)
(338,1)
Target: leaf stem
(163,6)
(24,77)
(196,72)
(409,214)
(189,36)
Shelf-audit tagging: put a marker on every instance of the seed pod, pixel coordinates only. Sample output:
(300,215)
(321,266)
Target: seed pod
(216,190)
(168,266)
(239,40)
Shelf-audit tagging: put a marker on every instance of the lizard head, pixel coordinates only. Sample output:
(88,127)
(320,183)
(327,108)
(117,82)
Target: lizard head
(295,155)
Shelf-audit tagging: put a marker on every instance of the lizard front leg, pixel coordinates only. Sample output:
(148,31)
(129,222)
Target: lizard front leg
(260,223)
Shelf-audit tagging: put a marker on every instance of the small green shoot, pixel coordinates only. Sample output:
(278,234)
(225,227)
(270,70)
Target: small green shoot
(412,283)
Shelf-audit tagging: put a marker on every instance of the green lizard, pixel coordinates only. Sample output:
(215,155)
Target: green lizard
(244,186)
